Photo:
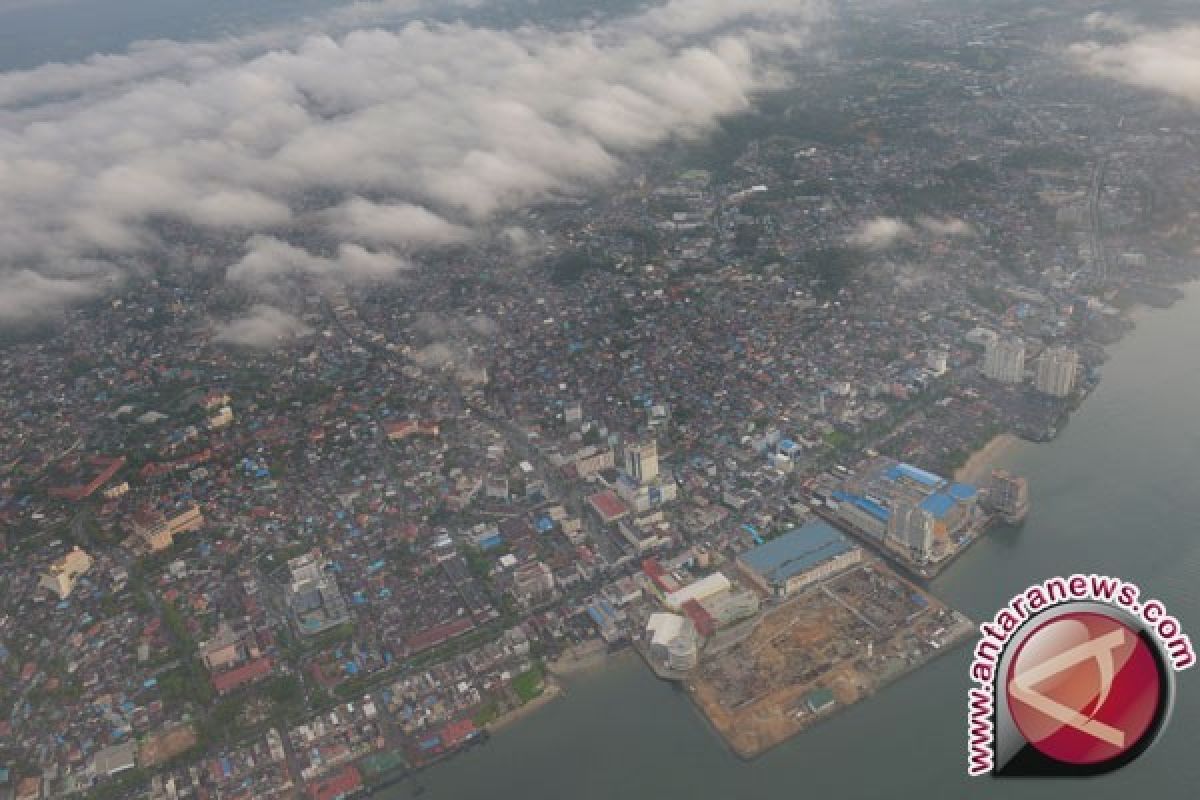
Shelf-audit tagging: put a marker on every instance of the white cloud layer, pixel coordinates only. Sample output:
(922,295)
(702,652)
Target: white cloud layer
(28,296)
(880,233)
(262,327)
(441,125)
(946,227)
(1165,60)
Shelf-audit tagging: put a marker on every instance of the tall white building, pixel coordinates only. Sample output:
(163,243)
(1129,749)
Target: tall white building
(935,361)
(1056,371)
(1004,360)
(641,461)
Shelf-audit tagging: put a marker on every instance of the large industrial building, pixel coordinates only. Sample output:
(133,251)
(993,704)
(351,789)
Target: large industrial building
(698,590)
(908,508)
(796,559)
(313,596)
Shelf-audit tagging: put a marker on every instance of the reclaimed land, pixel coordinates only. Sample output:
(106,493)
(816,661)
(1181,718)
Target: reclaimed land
(849,636)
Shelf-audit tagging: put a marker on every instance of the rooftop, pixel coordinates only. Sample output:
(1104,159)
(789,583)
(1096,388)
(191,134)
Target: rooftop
(797,551)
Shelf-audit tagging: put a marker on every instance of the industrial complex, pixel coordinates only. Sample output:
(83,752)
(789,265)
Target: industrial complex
(787,564)
(916,516)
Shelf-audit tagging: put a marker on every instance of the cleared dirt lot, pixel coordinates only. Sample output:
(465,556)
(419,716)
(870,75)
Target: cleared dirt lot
(166,745)
(848,636)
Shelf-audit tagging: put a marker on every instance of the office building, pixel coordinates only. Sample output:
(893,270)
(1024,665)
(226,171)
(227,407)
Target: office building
(641,461)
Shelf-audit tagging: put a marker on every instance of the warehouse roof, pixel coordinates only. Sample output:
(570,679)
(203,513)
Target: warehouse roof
(915,474)
(962,491)
(869,506)
(797,551)
(698,590)
(938,504)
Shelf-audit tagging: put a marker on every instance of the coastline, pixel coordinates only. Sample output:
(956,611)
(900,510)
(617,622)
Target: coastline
(550,692)
(979,465)
(579,658)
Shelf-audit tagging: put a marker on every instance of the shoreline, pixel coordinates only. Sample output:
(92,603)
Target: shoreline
(729,723)
(579,659)
(981,462)
(552,691)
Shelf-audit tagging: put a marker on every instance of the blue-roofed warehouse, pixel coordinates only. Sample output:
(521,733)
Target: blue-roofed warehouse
(796,559)
(914,474)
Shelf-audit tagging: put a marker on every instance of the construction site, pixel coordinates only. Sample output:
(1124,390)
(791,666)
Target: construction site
(820,650)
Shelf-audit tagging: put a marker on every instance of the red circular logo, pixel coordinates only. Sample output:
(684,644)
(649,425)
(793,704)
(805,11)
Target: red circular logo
(1084,688)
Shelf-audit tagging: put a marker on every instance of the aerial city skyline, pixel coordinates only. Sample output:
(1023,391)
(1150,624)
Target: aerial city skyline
(382,380)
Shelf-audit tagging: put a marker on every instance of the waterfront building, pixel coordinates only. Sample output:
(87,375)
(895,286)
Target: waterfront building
(798,558)
(1008,495)
(1004,360)
(1056,371)
(698,590)
(672,640)
(913,527)
(912,510)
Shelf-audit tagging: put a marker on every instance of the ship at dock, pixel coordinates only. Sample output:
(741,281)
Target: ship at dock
(1007,496)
